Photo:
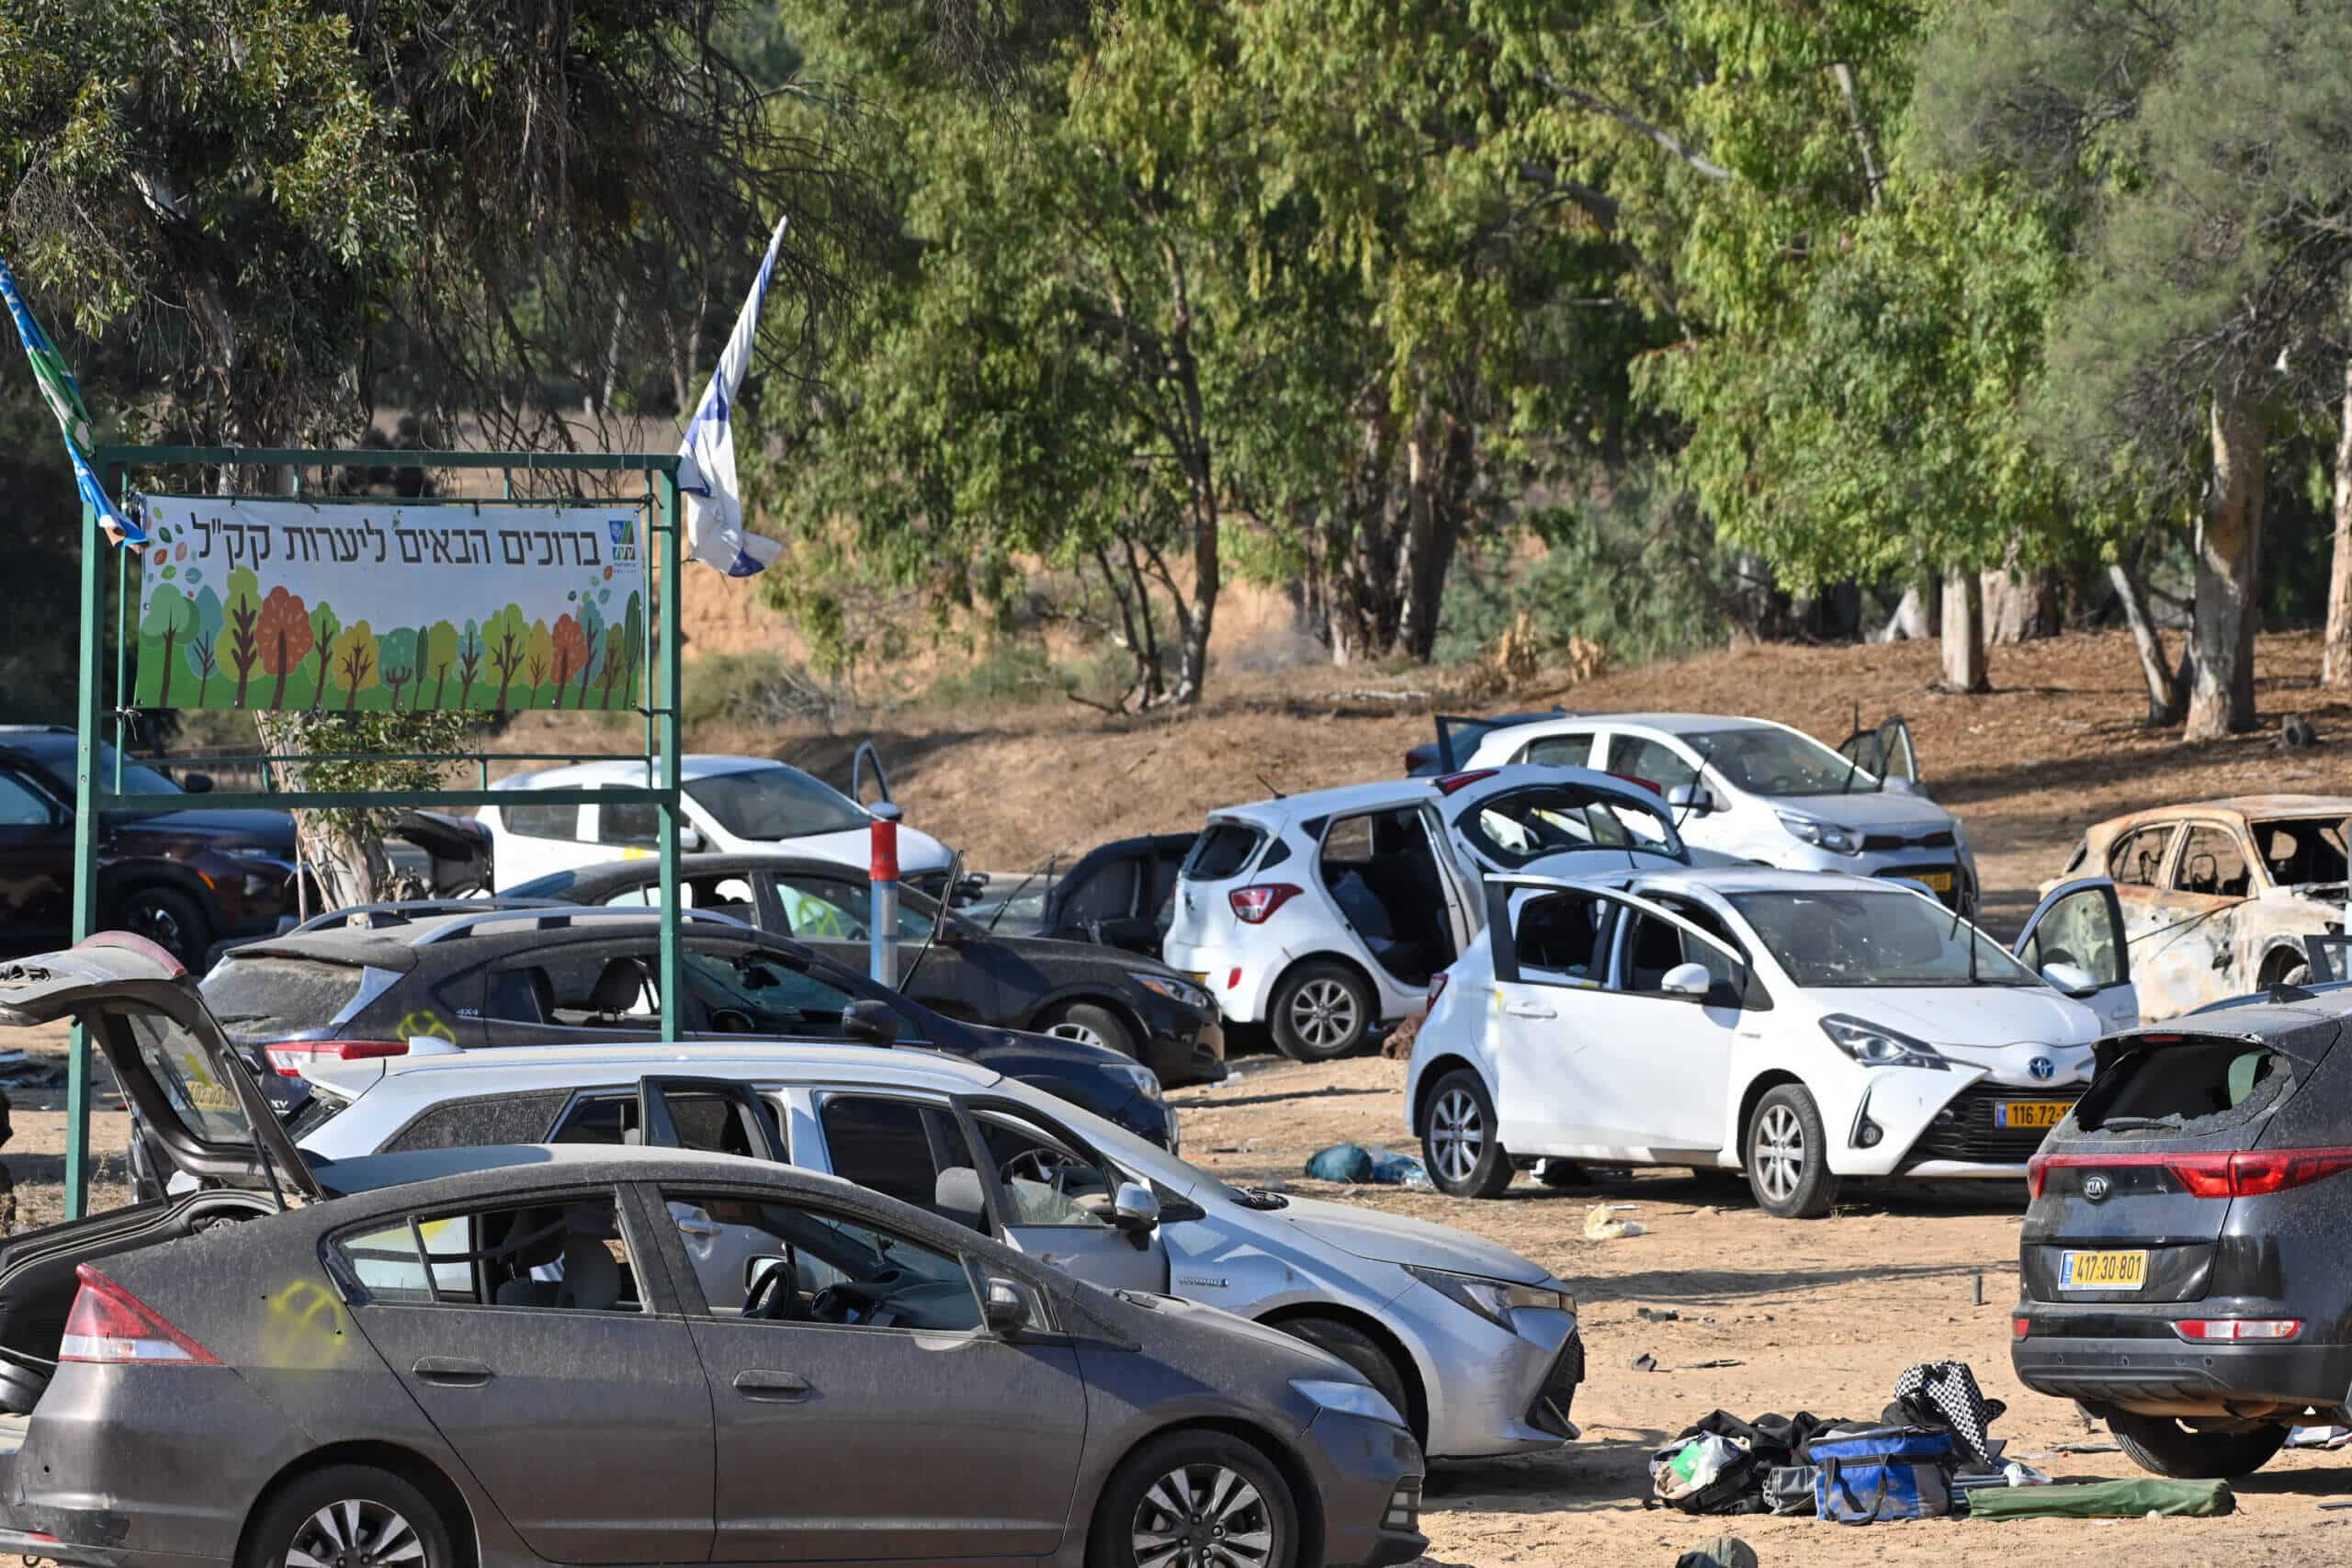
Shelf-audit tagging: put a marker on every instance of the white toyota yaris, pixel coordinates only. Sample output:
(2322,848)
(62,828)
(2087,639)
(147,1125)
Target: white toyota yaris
(1800,1026)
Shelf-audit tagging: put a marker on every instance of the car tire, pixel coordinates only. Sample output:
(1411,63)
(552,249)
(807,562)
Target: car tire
(1459,1144)
(1259,1518)
(166,917)
(1359,1350)
(1787,1155)
(1321,1012)
(312,1514)
(2162,1446)
(1091,1024)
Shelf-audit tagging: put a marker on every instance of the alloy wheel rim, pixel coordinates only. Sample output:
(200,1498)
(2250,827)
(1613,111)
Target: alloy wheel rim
(1078,1032)
(354,1533)
(1203,1516)
(1780,1153)
(1323,1013)
(1457,1134)
(158,925)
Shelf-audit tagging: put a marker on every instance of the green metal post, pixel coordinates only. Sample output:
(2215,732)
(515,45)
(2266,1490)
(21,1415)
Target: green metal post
(672,956)
(86,851)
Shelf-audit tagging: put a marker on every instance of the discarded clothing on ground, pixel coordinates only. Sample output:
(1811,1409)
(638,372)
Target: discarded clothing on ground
(1720,1465)
(1944,1393)
(1722,1551)
(2106,1500)
(1358,1166)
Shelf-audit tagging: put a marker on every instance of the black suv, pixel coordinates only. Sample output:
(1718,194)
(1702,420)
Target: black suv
(1138,1007)
(366,982)
(2182,1260)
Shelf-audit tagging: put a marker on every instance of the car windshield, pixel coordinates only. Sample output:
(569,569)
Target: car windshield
(138,778)
(775,802)
(1760,760)
(2301,852)
(1870,937)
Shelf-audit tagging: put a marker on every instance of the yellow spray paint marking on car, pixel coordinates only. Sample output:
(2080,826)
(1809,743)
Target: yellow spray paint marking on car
(305,1329)
(425,1024)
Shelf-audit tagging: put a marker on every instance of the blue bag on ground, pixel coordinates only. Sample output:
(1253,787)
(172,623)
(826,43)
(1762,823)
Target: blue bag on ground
(1884,1472)
(1341,1162)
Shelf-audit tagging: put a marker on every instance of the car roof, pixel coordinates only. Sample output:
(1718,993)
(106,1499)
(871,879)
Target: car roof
(646,868)
(1731,879)
(622,770)
(1329,801)
(497,931)
(451,1074)
(458,1172)
(2328,806)
(1669,723)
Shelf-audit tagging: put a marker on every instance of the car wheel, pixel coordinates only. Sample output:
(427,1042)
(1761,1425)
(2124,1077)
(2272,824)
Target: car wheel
(1195,1499)
(1458,1138)
(1788,1155)
(1090,1023)
(1359,1350)
(1321,1012)
(2160,1444)
(2286,969)
(349,1515)
(166,917)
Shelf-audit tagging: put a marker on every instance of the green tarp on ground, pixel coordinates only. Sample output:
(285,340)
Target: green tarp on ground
(2104,1500)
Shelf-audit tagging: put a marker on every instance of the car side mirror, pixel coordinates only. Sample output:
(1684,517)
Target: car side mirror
(1005,1307)
(196,784)
(869,1023)
(1688,980)
(1692,797)
(1135,1208)
(2073,979)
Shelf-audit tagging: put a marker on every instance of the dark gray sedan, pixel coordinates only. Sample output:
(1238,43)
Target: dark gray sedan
(508,1357)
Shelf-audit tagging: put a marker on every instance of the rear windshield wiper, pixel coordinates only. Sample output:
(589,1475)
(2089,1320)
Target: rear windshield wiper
(2170,1121)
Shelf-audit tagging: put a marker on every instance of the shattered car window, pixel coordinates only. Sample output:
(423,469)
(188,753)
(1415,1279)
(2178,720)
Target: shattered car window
(184,1070)
(2301,851)
(1774,763)
(1523,824)
(1867,938)
(775,803)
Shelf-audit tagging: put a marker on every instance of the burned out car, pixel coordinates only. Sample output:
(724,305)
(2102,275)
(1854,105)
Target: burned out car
(334,1370)
(2220,897)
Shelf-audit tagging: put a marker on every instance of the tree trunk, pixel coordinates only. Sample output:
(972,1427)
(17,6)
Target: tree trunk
(2021,603)
(342,850)
(1964,638)
(1437,465)
(2167,684)
(2335,658)
(1915,619)
(2229,537)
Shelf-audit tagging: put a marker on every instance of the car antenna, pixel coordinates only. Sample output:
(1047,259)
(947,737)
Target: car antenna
(1270,786)
(938,918)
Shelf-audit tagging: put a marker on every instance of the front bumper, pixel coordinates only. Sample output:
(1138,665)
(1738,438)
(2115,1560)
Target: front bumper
(2109,1373)
(1184,1047)
(1491,1390)
(1367,1473)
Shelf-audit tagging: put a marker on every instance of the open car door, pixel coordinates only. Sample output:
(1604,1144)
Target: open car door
(1887,753)
(2080,925)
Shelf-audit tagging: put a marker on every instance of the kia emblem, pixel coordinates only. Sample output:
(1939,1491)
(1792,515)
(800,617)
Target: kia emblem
(2096,1189)
(2042,1067)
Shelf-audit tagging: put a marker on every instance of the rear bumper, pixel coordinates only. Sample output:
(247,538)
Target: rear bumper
(2165,1376)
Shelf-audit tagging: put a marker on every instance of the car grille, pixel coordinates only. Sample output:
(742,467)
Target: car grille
(1886,843)
(1963,1129)
(1553,1402)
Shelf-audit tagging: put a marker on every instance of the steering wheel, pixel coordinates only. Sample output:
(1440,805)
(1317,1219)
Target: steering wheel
(775,1297)
(731,1020)
(1050,1167)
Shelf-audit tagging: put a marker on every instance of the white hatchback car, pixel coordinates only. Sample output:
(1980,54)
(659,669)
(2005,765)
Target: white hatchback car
(733,803)
(1327,913)
(1763,792)
(1477,1345)
(1800,1026)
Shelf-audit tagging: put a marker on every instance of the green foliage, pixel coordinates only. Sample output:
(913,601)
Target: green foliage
(750,688)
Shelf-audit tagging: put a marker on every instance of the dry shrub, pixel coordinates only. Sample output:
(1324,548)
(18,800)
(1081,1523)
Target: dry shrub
(1515,662)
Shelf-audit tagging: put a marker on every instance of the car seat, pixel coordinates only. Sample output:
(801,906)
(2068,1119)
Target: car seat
(621,985)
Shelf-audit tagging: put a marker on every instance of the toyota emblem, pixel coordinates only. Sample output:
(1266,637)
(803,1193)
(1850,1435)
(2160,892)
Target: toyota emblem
(2042,1067)
(2094,1189)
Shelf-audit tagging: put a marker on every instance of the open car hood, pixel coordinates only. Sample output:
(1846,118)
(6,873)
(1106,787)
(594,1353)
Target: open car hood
(193,1092)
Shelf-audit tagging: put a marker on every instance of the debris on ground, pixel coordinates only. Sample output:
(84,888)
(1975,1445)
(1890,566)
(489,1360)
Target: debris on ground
(2087,1447)
(1361,1166)
(2329,1437)
(1710,1366)
(1724,1552)
(1645,1362)
(1599,1227)
(1657,1314)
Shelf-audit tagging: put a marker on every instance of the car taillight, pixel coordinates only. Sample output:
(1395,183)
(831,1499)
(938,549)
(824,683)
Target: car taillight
(1253,904)
(1437,986)
(2020,1327)
(1452,781)
(2236,1330)
(2248,1173)
(290,1056)
(110,1325)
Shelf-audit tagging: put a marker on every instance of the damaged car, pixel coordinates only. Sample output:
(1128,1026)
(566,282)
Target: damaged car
(304,1363)
(2222,897)
(1798,1026)
(2181,1265)
(1478,1346)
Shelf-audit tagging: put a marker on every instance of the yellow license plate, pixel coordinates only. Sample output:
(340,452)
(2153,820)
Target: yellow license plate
(1935,881)
(2028,1113)
(2102,1270)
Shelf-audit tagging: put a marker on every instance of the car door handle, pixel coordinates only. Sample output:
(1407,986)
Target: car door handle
(445,1371)
(1529,1010)
(781,1388)
(698,1227)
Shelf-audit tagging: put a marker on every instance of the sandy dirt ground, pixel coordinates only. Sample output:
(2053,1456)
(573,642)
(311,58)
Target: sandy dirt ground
(1820,1316)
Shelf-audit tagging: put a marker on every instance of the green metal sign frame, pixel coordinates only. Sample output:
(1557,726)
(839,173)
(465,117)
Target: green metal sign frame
(95,798)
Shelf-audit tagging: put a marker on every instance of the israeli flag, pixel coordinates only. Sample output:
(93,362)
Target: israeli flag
(64,395)
(715,532)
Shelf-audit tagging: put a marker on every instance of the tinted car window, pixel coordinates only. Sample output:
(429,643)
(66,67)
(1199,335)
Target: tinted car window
(748,994)
(475,1124)
(1650,762)
(1573,749)
(836,908)
(20,807)
(1562,933)
(541,821)
(894,1147)
(1109,894)
(1221,851)
(265,998)
(813,1267)
(630,822)
(775,802)
(707,1122)
(577,988)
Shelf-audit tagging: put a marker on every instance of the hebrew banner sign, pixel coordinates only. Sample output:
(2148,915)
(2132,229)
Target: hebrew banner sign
(373,606)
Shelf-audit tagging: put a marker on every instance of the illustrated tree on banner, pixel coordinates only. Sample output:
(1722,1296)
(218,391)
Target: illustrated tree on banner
(354,661)
(241,637)
(286,636)
(396,660)
(325,627)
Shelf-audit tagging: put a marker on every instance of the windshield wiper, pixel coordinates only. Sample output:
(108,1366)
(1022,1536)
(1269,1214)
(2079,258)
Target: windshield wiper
(1260,1199)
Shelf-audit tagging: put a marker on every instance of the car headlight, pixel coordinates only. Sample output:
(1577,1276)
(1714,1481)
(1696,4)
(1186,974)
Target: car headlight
(1874,1045)
(1823,835)
(1491,1299)
(1349,1399)
(1136,1075)
(1183,992)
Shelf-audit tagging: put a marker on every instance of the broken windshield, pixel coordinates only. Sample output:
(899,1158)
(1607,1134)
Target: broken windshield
(1779,762)
(183,1070)
(1869,938)
(2300,851)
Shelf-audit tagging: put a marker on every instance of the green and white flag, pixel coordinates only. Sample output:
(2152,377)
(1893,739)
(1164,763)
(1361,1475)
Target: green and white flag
(64,395)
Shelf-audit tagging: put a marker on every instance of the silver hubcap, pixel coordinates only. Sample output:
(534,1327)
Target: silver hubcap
(1323,1014)
(354,1534)
(1778,1152)
(1457,1134)
(1076,1031)
(1203,1516)
(158,925)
